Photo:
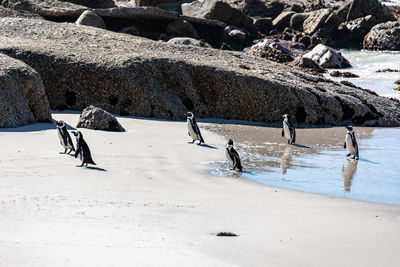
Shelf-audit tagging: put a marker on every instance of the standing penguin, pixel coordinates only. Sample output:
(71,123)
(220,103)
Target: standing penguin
(233,156)
(65,138)
(193,129)
(288,130)
(82,149)
(351,143)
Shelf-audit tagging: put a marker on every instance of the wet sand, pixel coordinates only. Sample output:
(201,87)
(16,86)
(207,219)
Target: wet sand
(150,201)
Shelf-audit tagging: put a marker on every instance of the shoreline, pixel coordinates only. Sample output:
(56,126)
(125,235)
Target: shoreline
(154,204)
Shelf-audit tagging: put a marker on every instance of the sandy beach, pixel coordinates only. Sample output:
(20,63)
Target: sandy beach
(150,201)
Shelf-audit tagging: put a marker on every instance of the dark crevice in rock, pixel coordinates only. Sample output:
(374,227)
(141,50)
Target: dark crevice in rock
(301,114)
(348,112)
(70,98)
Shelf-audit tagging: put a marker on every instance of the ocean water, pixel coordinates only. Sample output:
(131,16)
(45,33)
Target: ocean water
(366,63)
(321,166)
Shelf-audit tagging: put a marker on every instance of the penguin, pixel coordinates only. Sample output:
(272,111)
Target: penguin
(82,149)
(193,129)
(65,138)
(351,143)
(233,156)
(288,130)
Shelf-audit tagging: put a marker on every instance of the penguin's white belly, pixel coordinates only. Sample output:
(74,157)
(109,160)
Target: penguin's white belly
(62,140)
(286,130)
(191,131)
(349,145)
(229,158)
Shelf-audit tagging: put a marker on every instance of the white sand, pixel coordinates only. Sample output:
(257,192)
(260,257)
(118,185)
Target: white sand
(156,205)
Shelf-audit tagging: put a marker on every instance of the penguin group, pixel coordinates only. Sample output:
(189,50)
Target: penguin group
(288,132)
(82,149)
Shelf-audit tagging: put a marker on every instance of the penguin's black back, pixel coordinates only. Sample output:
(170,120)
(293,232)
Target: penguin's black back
(87,157)
(236,159)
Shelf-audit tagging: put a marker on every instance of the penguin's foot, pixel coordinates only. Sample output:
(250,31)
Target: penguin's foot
(348,155)
(191,142)
(353,157)
(61,152)
(78,165)
(357,158)
(199,143)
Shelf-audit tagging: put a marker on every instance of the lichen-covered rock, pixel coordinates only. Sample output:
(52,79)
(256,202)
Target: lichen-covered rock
(130,75)
(22,95)
(96,118)
(89,18)
(385,36)
(327,57)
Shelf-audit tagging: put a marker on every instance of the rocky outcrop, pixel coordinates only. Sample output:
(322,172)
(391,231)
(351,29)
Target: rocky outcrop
(93,3)
(130,75)
(47,8)
(362,8)
(327,57)
(89,18)
(315,20)
(283,20)
(217,10)
(22,95)
(235,37)
(96,118)
(385,36)
(7,12)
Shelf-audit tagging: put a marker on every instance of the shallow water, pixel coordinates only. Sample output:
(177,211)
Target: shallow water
(319,163)
(366,63)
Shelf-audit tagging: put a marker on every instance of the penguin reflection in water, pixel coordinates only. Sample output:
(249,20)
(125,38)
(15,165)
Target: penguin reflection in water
(193,129)
(351,143)
(65,138)
(233,156)
(82,149)
(288,130)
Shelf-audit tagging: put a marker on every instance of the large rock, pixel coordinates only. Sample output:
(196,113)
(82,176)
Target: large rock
(351,33)
(283,20)
(7,12)
(182,28)
(297,20)
(263,25)
(235,37)
(327,57)
(315,20)
(385,36)
(258,8)
(22,95)
(93,3)
(89,18)
(46,8)
(96,118)
(82,66)
(217,10)
(362,8)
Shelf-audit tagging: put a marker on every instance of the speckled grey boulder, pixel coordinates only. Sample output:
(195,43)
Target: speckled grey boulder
(98,119)
(22,96)
(385,36)
(327,57)
(89,18)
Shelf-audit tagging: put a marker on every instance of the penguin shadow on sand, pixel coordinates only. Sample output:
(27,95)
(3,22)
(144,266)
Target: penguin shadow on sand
(349,170)
(208,146)
(95,168)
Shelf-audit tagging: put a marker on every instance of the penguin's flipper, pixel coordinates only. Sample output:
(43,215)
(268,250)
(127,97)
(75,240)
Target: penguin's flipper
(344,146)
(294,136)
(78,151)
(283,132)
